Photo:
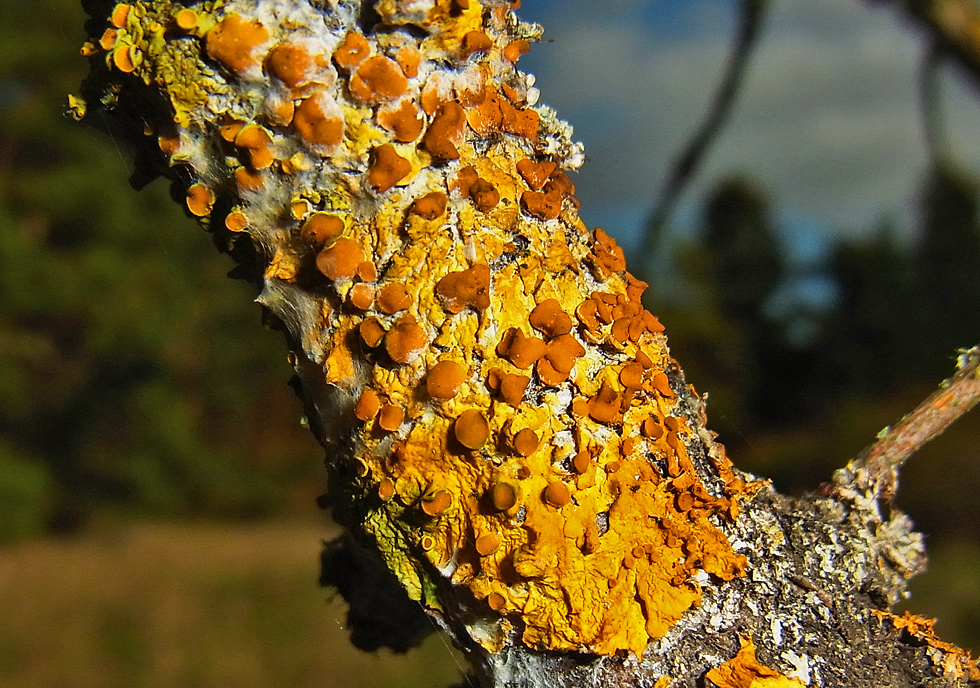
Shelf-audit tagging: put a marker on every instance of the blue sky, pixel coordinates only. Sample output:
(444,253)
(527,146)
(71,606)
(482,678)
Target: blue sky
(827,122)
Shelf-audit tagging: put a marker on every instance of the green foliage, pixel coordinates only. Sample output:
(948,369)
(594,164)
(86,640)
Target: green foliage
(25,496)
(795,411)
(132,371)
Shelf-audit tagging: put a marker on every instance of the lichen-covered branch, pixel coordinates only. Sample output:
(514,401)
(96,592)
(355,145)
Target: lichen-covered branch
(507,435)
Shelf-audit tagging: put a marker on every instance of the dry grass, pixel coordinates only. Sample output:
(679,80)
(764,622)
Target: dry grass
(188,605)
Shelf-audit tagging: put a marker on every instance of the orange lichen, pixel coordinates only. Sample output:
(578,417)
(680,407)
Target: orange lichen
(549,319)
(744,671)
(468,288)
(386,489)
(404,122)
(229,130)
(485,196)
(504,495)
(236,221)
(471,429)
(556,494)
(367,271)
(466,177)
(471,87)
(525,442)
(387,168)
(368,405)
(635,288)
(322,228)
(372,332)
(341,259)
(662,384)
(606,253)
(487,544)
(393,298)
(233,41)
(430,206)
(282,113)
(631,375)
(361,296)
(445,131)
(123,58)
(957,662)
(315,126)
(186,19)
(561,183)
(378,79)
(652,429)
(352,51)
(536,173)
(559,359)
(444,379)
(520,122)
(436,90)
(510,386)
(249,180)
(486,116)
(605,405)
(515,49)
(473,42)
(405,340)
(581,462)
(519,349)
(108,39)
(436,503)
(408,58)
(391,417)
(541,204)
(291,64)
(119,15)
(257,143)
(200,200)
(587,313)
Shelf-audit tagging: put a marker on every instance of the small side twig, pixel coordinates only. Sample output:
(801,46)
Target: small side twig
(895,444)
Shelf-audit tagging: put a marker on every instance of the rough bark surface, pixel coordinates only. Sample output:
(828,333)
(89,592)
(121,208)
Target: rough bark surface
(509,442)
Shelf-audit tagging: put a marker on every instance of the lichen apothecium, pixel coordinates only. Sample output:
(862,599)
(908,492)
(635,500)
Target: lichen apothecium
(502,417)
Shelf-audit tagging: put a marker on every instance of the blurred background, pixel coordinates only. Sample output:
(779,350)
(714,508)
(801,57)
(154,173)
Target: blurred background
(816,270)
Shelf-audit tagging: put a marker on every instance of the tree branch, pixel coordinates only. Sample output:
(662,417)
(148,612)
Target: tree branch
(955,397)
(752,14)
(508,440)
